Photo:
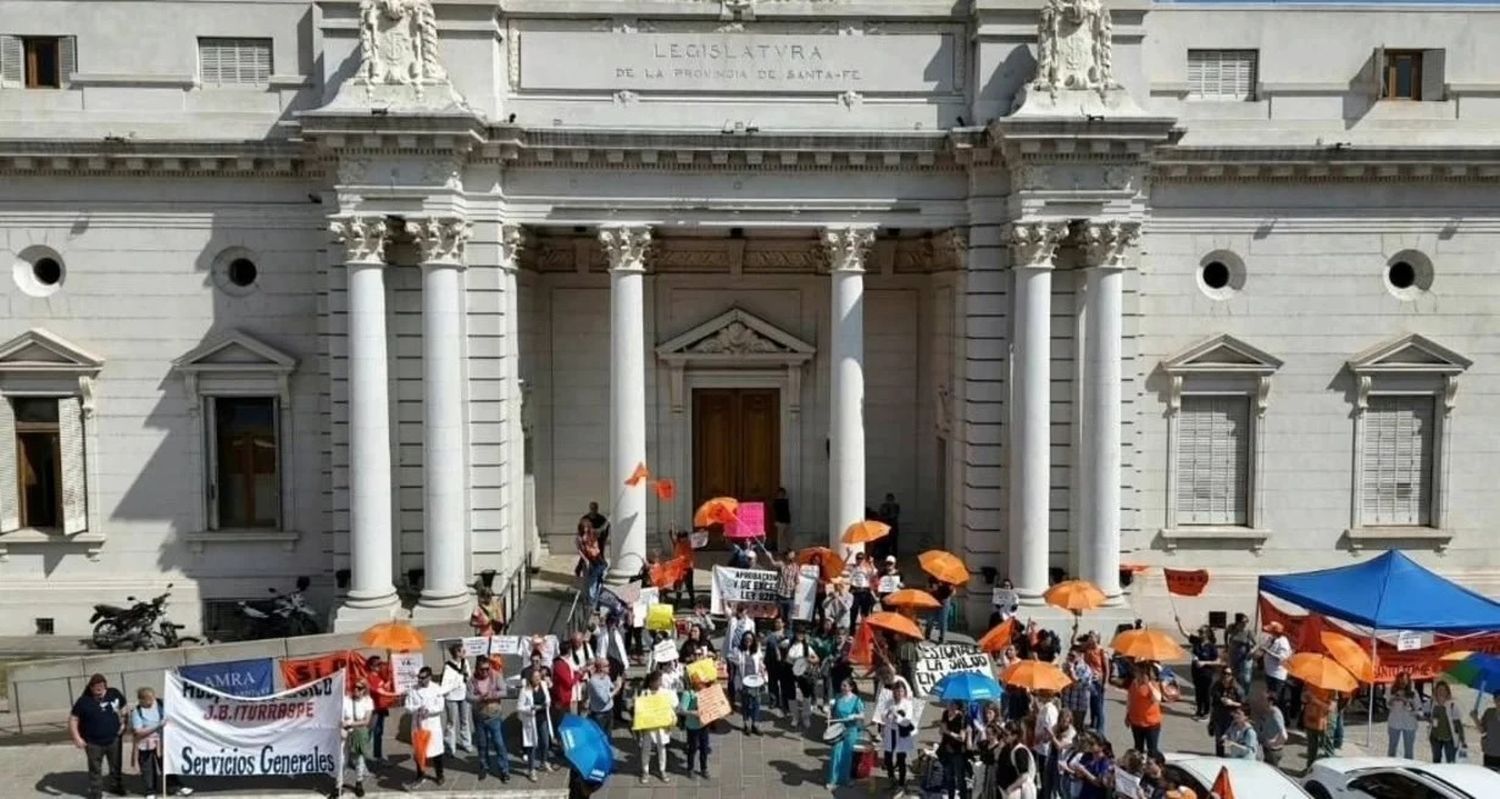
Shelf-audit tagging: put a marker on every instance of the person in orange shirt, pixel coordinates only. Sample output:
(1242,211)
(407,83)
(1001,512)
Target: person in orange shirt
(1143,707)
(682,549)
(1317,706)
(378,677)
(1097,659)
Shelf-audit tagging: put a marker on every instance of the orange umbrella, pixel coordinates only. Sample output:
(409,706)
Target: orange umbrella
(1146,645)
(394,635)
(1349,654)
(912,598)
(719,510)
(865,531)
(1321,671)
(945,566)
(998,638)
(896,623)
(1035,675)
(829,563)
(1075,595)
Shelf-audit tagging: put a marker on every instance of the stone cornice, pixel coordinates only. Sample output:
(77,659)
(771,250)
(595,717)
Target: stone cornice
(1325,164)
(166,158)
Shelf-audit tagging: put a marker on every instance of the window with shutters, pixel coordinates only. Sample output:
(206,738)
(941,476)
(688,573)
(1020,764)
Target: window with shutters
(1397,480)
(1213,460)
(234,62)
(1222,74)
(37,62)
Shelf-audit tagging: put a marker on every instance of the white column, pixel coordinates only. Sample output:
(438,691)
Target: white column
(372,594)
(1033,245)
(625,245)
(1105,246)
(445,556)
(847,247)
(524,539)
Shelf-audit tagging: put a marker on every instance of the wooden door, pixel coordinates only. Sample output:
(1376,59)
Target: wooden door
(737,446)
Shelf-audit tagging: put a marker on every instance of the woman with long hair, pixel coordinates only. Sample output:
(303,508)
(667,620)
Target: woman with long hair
(752,679)
(898,735)
(847,709)
(1404,715)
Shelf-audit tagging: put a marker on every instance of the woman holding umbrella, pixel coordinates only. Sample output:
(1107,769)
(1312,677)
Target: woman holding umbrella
(848,710)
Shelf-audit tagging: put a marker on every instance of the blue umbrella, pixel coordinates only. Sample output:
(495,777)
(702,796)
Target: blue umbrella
(587,747)
(967,686)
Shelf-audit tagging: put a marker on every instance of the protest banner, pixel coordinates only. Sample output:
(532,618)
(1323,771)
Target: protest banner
(659,618)
(936,661)
(712,704)
(754,588)
(1004,598)
(806,593)
(703,670)
(664,651)
(234,677)
(653,712)
(300,671)
(889,584)
(476,646)
(1182,582)
(293,733)
(1407,640)
(749,521)
(404,668)
(506,645)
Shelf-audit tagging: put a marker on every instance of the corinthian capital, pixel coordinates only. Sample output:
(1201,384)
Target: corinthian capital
(625,246)
(512,241)
(847,246)
(1107,243)
(363,237)
(441,239)
(1034,243)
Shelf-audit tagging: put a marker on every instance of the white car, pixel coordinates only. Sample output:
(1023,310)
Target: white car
(1250,779)
(1396,778)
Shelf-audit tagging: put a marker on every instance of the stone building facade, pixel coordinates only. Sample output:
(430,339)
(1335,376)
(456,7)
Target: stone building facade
(384,292)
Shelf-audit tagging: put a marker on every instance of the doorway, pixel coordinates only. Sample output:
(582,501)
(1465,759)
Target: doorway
(737,448)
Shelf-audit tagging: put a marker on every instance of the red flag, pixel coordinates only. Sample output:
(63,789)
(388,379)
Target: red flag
(1222,787)
(1310,634)
(1186,583)
(637,476)
(666,489)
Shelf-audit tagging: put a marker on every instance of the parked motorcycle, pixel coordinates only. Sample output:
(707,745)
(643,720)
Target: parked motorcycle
(281,616)
(143,625)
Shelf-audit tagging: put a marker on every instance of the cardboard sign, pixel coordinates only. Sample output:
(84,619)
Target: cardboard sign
(936,661)
(712,704)
(653,712)
(698,539)
(301,671)
(506,645)
(1186,583)
(750,521)
(664,651)
(889,584)
(756,589)
(476,646)
(293,733)
(1004,598)
(806,593)
(548,645)
(404,668)
(703,670)
(1127,785)
(1407,640)
(659,618)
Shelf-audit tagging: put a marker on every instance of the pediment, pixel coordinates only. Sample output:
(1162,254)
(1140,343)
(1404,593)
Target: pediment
(1219,355)
(38,350)
(1409,353)
(235,351)
(736,334)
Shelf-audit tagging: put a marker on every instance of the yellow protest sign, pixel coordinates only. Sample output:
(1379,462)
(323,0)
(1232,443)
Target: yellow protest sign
(712,704)
(659,617)
(703,670)
(653,712)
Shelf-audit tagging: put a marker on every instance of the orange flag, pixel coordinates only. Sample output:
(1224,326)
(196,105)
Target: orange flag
(1186,583)
(638,475)
(863,650)
(1222,788)
(666,489)
(419,739)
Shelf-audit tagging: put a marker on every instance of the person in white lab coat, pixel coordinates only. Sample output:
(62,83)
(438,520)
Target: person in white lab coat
(898,734)
(536,724)
(458,729)
(425,703)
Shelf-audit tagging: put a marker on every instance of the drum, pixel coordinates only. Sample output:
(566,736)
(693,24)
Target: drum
(833,733)
(754,681)
(800,667)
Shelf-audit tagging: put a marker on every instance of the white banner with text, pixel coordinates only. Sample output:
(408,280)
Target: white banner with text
(213,734)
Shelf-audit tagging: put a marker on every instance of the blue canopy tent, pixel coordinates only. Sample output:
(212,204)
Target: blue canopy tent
(1388,592)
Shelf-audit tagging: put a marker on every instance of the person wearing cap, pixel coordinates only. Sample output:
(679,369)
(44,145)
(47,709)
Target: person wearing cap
(1274,652)
(95,724)
(358,716)
(889,581)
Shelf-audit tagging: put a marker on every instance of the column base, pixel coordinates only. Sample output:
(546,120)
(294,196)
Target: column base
(356,615)
(447,607)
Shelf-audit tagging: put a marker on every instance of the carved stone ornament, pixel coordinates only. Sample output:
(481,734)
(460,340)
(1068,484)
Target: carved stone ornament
(441,239)
(398,42)
(735,339)
(1073,47)
(363,237)
(950,248)
(847,246)
(512,241)
(1107,243)
(625,245)
(1034,243)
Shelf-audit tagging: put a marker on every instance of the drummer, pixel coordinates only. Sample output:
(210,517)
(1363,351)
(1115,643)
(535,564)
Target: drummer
(750,676)
(845,718)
